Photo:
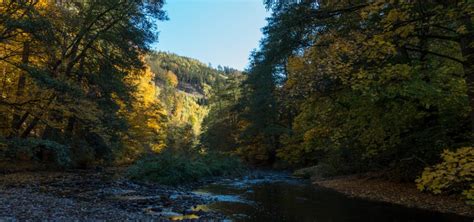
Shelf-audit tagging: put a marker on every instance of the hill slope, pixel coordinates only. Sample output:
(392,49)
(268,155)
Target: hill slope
(184,86)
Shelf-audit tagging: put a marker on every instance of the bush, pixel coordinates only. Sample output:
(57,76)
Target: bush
(83,155)
(175,168)
(37,149)
(454,175)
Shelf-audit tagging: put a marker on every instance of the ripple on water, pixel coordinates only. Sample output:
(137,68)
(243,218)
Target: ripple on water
(222,197)
(278,197)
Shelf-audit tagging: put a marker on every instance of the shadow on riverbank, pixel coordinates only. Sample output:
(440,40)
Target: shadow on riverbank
(405,194)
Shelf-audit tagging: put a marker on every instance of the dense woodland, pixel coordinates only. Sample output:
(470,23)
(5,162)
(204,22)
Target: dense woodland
(359,86)
(365,83)
(74,81)
(349,86)
(79,87)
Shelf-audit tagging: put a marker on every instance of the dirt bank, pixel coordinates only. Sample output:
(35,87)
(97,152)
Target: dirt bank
(404,194)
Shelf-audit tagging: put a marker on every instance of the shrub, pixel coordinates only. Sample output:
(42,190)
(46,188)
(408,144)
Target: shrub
(469,194)
(222,165)
(83,155)
(37,149)
(455,174)
(175,168)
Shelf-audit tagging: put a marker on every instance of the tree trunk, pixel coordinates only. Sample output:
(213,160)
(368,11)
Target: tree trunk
(52,133)
(20,91)
(71,122)
(30,127)
(4,81)
(35,120)
(21,121)
(467,49)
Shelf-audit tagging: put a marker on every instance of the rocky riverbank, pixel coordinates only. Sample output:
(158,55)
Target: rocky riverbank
(106,195)
(399,193)
(94,195)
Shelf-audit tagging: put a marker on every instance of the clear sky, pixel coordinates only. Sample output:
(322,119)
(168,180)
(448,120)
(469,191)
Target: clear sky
(220,32)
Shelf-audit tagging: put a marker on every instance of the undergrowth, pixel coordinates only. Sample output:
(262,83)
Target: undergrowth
(176,168)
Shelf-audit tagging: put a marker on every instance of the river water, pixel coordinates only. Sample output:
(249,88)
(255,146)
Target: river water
(278,197)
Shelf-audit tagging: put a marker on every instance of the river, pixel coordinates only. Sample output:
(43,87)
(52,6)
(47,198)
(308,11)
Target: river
(260,196)
(278,197)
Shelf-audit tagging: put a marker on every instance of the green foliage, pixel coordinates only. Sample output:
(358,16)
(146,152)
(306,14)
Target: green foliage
(83,154)
(221,127)
(82,86)
(359,87)
(181,138)
(469,194)
(188,89)
(172,168)
(455,174)
(259,114)
(192,75)
(37,150)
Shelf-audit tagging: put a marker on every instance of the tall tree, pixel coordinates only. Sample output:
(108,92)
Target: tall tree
(360,82)
(72,67)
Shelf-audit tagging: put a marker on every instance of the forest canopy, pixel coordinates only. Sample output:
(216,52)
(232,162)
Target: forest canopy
(348,86)
(358,86)
(80,85)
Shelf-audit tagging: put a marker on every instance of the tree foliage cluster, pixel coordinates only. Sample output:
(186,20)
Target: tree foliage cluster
(357,86)
(174,168)
(453,175)
(222,124)
(79,84)
(192,76)
(186,89)
(197,100)
(73,78)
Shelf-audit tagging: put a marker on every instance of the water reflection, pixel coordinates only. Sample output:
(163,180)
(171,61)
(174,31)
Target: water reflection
(278,199)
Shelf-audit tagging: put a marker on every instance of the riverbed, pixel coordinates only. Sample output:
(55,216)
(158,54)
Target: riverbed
(258,196)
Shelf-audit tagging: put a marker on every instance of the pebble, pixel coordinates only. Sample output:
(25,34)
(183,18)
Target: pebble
(72,196)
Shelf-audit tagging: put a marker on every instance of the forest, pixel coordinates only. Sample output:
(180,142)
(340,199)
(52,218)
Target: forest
(383,90)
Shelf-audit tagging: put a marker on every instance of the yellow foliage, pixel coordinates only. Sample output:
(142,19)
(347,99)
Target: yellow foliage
(171,78)
(146,116)
(469,194)
(454,174)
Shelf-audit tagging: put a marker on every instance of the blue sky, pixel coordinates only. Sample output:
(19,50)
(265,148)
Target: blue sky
(220,32)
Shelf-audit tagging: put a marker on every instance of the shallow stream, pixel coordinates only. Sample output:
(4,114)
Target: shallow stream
(278,197)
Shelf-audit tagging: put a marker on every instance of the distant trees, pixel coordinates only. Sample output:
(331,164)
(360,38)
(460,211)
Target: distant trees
(221,127)
(189,71)
(188,89)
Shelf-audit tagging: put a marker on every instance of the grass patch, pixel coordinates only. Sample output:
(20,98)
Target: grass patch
(177,168)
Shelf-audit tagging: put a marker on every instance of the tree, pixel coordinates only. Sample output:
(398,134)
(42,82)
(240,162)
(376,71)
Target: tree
(221,127)
(68,63)
(360,82)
